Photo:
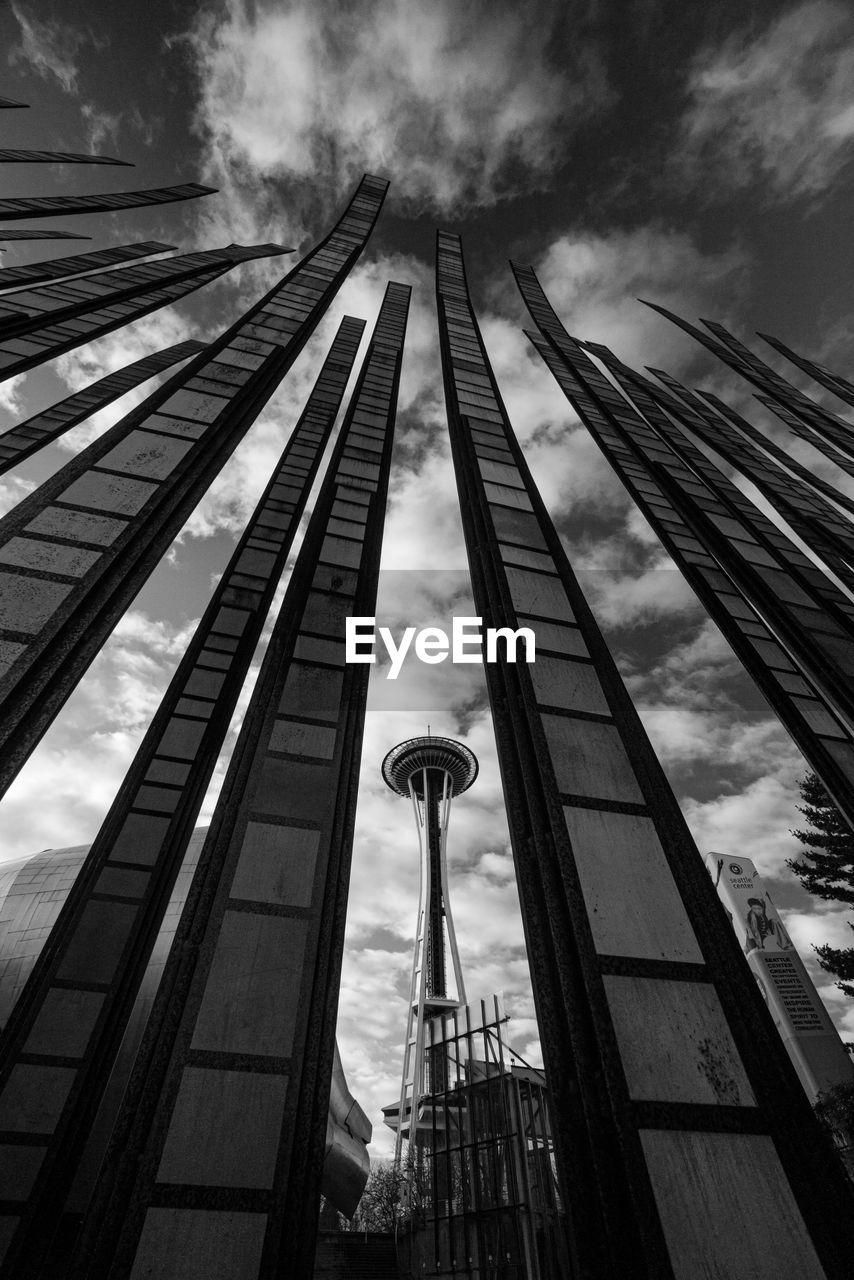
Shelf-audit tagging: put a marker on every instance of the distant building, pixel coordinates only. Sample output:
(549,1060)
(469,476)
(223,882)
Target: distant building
(32,892)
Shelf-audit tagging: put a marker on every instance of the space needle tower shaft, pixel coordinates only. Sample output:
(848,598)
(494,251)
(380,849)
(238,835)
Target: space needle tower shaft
(431,771)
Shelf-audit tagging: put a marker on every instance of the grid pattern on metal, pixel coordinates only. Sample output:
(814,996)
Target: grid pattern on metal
(41,340)
(814,518)
(767,447)
(798,427)
(811,519)
(481,1187)
(28,310)
(582,786)
(840,386)
(77,550)
(256,1054)
(9,234)
(45,206)
(743,361)
(77,264)
(8,156)
(131,867)
(769,552)
(26,438)
(658,482)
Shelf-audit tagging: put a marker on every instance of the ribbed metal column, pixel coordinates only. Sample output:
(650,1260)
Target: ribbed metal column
(8,156)
(240,1042)
(53,337)
(78,550)
(801,705)
(766,632)
(13,207)
(738,357)
(78,264)
(94,962)
(676,1109)
(840,386)
(28,311)
(809,514)
(28,437)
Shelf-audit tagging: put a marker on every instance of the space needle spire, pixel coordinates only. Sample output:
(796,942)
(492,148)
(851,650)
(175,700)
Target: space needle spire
(431,771)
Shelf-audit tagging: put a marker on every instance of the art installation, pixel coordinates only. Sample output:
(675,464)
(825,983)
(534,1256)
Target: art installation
(173,1103)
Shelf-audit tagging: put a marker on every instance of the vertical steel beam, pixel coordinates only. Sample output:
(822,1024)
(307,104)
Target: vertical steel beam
(52,338)
(752,522)
(240,1041)
(840,386)
(93,963)
(77,551)
(737,431)
(676,1108)
(738,357)
(77,264)
(28,437)
(780,455)
(28,311)
(815,520)
(800,702)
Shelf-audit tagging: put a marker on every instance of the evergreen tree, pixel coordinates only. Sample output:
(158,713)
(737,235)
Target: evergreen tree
(826,868)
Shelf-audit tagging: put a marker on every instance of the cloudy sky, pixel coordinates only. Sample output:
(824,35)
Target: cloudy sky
(698,156)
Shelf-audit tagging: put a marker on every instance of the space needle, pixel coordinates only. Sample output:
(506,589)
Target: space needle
(431,771)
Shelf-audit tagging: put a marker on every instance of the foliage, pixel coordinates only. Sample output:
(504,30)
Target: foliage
(381,1205)
(835,1109)
(826,868)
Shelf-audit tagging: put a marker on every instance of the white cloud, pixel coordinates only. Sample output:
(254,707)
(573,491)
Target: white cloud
(13,489)
(754,823)
(460,103)
(101,126)
(593,281)
(624,599)
(63,792)
(49,46)
(774,106)
(11,397)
